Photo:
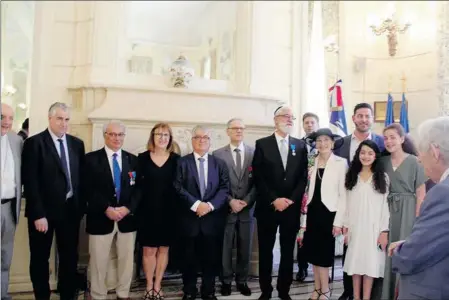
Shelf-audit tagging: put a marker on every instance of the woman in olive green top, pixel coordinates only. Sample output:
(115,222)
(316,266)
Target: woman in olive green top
(407,191)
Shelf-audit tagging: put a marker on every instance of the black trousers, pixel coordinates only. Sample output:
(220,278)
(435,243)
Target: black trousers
(66,230)
(266,233)
(203,252)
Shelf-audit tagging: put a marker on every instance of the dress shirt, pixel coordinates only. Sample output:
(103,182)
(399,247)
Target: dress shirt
(242,153)
(445,175)
(8,172)
(355,143)
(205,164)
(279,138)
(57,145)
(109,153)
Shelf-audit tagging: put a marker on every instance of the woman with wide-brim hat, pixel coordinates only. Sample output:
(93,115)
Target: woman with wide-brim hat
(325,201)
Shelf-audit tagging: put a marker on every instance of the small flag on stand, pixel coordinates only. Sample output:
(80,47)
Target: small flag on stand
(337,122)
(389,116)
(404,114)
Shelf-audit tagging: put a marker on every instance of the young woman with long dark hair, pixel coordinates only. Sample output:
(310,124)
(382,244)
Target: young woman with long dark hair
(367,218)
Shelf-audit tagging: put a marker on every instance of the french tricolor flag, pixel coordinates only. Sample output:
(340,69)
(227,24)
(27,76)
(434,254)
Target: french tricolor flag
(337,121)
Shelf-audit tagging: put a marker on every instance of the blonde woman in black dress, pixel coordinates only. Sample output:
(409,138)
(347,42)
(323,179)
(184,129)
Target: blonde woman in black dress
(326,199)
(154,182)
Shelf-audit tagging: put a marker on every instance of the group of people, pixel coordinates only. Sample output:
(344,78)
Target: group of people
(367,187)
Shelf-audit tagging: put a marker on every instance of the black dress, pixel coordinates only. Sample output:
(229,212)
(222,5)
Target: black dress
(319,242)
(156,213)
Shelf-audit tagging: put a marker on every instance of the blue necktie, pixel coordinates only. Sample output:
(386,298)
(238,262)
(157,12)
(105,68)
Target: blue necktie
(117,175)
(202,177)
(65,167)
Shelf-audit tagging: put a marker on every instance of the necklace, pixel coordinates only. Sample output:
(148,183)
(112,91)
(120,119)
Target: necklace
(318,173)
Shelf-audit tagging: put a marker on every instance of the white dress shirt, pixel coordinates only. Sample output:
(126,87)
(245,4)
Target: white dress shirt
(8,171)
(234,154)
(279,138)
(64,142)
(109,153)
(355,143)
(445,175)
(205,164)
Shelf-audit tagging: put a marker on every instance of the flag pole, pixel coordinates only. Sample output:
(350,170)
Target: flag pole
(390,82)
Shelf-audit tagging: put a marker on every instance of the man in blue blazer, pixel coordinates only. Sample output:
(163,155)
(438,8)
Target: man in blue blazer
(422,259)
(363,120)
(202,183)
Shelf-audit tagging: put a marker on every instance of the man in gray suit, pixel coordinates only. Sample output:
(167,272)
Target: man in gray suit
(11,192)
(422,259)
(238,157)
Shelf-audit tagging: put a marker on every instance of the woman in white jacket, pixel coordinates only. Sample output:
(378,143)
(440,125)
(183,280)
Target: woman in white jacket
(325,206)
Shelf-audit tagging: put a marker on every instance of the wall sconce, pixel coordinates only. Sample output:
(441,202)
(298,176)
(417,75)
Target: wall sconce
(392,27)
(8,91)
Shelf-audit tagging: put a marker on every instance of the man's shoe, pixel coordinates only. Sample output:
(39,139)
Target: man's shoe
(226,289)
(243,289)
(345,296)
(302,275)
(265,296)
(189,297)
(285,297)
(209,297)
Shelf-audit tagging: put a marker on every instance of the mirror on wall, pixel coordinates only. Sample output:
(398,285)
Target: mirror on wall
(202,31)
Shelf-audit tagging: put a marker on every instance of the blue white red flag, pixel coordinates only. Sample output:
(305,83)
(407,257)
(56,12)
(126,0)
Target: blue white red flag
(337,122)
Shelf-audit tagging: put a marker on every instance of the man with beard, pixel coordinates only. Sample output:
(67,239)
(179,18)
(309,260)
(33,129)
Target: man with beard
(363,121)
(280,176)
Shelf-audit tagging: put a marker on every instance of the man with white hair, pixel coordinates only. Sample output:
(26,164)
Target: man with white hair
(422,259)
(280,175)
(202,184)
(52,164)
(11,192)
(108,188)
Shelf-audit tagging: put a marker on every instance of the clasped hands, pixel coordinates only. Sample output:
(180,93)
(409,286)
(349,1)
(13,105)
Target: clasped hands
(237,205)
(281,204)
(117,213)
(203,209)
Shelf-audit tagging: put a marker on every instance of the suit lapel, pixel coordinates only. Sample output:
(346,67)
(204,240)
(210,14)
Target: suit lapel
(194,170)
(125,169)
(104,162)
(247,160)
(73,158)
(276,152)
(290,160)
(230,159)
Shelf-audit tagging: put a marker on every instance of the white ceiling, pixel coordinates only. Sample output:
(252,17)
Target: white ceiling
(166,22)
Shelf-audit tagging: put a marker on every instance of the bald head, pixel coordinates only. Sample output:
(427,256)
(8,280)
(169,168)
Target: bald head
(7,118)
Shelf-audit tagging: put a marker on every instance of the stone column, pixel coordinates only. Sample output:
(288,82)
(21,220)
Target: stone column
(443,59)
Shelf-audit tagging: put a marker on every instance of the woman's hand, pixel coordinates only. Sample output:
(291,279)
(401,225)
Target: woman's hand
(336,231)
(393,246)
(383,240)
(346,235)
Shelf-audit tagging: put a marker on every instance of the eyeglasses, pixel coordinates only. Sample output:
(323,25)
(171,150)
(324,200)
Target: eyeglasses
(162,135)
(113,134)
(237,128)
(287,117)
(201,138)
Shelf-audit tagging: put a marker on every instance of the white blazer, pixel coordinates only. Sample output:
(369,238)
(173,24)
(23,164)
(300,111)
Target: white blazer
(333,191)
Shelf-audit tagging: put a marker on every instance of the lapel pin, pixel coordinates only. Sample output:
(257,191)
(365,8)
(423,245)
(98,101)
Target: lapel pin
(293,148)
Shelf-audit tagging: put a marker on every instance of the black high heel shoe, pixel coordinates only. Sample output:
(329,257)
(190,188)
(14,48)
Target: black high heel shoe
(318,292)
(149,295)
(157,295)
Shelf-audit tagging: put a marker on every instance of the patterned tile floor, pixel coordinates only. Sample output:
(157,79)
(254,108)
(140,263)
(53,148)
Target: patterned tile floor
(173,289)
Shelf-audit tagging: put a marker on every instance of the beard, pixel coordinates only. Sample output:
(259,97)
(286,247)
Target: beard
(285,128)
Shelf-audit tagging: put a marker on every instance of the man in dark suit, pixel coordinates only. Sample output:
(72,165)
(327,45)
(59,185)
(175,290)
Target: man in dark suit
(238,158)
(11,192)
(363,121)
(52,162)
(310,124)
(202,183)
(23,133)
(108,188)
(280,176)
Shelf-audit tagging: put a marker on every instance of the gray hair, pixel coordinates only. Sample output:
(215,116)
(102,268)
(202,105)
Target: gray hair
(200,127)
(114,122)
(232,120)
(55,106)
(435,132)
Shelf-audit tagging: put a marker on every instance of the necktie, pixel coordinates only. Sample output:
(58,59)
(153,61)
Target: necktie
(238,162)
(202,177)
(117,175)
(284,152)
(65,167)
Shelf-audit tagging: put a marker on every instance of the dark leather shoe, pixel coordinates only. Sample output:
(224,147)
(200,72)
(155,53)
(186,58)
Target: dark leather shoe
(225,289)
(345,296)
(285,297)
(189,297)
(244,289)
(209,297)
(302,275)
(265,296)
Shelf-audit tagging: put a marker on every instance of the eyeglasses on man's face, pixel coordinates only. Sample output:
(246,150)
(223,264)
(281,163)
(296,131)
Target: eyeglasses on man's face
(114,135)
(287,116)
(201,138)
(237,128)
